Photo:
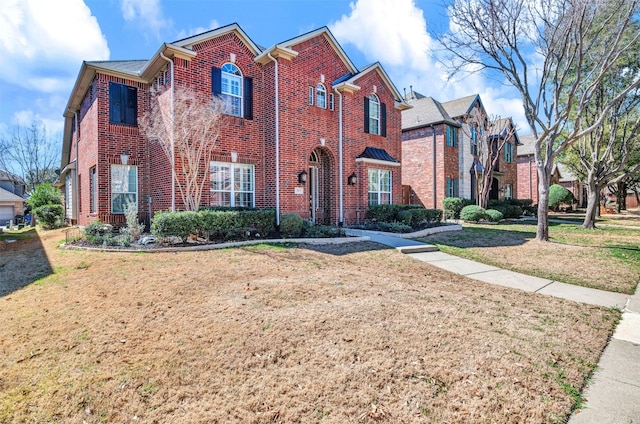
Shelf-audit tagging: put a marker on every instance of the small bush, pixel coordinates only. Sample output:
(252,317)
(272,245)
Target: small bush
(50,216)
(472,213)
(44,194)
(99,233)
(176,224)
(559,195)
(415,216)
(321,231)
(291,225)
(453,205)
(493,215)
(133,229)
(394,227)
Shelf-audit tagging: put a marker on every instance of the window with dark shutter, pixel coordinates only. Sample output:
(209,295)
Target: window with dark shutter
(123,104)
(216,81)
(383,119)
(366,114)
(248,98)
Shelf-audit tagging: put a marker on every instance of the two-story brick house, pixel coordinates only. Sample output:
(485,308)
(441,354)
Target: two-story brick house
(440,150)
(308,132)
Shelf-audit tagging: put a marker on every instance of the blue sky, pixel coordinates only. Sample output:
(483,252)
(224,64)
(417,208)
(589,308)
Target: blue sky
(43,44)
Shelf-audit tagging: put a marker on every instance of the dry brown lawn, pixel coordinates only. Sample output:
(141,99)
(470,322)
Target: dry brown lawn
(335,334)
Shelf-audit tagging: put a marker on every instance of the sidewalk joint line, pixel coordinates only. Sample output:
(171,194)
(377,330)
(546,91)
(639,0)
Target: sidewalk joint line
(543,287)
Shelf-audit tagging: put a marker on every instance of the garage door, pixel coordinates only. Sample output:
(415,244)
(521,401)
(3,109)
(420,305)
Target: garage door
(6,213)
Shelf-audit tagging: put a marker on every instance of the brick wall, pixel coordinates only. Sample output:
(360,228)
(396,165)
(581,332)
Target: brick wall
(527,177)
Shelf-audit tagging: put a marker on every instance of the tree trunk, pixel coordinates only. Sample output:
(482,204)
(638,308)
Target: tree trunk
(593,205)
(542,232)
(621,194)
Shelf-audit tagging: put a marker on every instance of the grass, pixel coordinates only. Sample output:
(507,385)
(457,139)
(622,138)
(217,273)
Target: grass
(333,334)
(607,258)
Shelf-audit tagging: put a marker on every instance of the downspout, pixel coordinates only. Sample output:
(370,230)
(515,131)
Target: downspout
(173,153)
(435,186)
(77,179)
(340,156)
(277,105)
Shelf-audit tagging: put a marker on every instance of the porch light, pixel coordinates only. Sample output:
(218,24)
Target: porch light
(302,177)
(352,179)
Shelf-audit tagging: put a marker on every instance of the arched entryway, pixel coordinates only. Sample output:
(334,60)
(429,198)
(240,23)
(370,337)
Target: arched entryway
(320,186)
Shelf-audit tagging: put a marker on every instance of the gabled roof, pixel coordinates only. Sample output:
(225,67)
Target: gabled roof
(461,107)
(7,176)
(7,196)
(503,124)
(426,111)
(527,144)
(214,33)
(564,174)
(399,100)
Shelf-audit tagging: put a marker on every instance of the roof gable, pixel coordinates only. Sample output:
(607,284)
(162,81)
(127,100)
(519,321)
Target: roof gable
(462,106)
(214,33)
(426,111)
(377,67)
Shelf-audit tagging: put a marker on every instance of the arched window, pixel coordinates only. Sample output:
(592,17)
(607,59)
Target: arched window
(231,89)
(374,114)
(321,96)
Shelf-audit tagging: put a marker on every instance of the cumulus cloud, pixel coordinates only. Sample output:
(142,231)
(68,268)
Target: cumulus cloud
(395,33)
(43,45)
(146,13)
(197,30)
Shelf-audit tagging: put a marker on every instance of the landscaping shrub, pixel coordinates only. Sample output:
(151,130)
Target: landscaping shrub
(453,205)
(415,216)
(215,223)
(310,230)
(559,195)
(50,216)
(394,227)
(99,233)
(176,224)
(493,215)
(472,213)
(133,229)
(262,221)
(291,225)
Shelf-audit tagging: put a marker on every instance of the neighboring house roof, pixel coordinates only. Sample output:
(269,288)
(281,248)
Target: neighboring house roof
(7,176)
(564,174)
(426,111)
(527,144)
(461,107)
(7,196)
(504,124)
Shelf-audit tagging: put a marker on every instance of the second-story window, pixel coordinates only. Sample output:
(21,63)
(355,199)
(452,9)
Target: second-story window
(374,115)
(231,89)
(321,96)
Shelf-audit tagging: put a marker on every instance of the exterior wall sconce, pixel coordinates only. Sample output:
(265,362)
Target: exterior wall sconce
(124,159)
(302,177)
(352,179)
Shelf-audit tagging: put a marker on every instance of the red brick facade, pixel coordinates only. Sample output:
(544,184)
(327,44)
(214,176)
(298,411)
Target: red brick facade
(310,138)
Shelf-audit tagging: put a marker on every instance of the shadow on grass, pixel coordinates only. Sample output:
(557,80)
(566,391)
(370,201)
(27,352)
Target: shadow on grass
(22,261)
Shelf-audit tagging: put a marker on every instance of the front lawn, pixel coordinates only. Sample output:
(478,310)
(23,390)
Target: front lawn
(607,258)
(351,333)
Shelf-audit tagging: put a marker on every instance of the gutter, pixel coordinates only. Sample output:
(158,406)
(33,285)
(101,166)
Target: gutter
(173,152)
(277,106)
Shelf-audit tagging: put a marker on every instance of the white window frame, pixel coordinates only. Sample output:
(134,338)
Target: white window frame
(121,186)
(376,189)
(321,96)
(508,191)
(93,182)
(231,88)
(224,180)
(312,94)
(374,114)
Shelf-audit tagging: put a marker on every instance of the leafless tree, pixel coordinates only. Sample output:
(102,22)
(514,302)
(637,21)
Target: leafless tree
(31,154)
(187,133)
(552,52)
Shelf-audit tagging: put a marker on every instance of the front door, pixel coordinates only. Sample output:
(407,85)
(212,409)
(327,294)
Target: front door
(319,187)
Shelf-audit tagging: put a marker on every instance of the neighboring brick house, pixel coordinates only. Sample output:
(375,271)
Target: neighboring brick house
(309,133)
(528,175)
(440,144)
(12,190)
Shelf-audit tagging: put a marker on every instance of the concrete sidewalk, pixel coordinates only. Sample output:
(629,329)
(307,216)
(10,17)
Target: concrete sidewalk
(613,395)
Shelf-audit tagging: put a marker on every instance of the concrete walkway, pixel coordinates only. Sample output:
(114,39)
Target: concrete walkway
(613,395)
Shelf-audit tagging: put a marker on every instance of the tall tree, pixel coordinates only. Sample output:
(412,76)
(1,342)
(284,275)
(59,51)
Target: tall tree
(544,49)
(30,153)
(187,131)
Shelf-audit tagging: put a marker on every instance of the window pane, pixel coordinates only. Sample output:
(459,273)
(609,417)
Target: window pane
(232,184)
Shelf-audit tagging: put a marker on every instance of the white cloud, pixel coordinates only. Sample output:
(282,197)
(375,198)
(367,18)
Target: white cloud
(146,13)
(24,118)
(43,44)
(197,30)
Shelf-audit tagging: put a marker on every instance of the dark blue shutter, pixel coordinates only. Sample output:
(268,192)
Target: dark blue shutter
(115,103)
(131,105)
(366,114)
(216,81)
(247,92)
(383,119)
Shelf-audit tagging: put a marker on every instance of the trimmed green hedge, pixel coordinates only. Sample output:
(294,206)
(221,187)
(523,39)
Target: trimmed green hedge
(472,213)
(493,215)
(413,216)
(214,223)
(291,225)
(453,205)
